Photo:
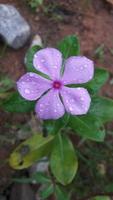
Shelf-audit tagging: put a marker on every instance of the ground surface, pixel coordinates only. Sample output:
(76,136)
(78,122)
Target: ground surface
(91,21)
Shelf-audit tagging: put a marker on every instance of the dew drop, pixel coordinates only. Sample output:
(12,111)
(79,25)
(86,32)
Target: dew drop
(55,67)
(78,88)
(23,82)
(90,77)
(81,67)
(27,91)
(41,110)
(30,74)
(70,108)
(82,98)
(42,60)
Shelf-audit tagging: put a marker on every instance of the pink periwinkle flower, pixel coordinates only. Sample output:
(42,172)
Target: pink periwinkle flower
(54,95)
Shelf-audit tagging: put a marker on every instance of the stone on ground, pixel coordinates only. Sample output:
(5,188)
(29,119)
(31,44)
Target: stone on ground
(14,29)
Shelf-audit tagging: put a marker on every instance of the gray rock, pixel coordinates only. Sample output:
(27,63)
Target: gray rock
(13,27)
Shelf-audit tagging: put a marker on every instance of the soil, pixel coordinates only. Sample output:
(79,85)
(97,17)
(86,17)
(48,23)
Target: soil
(91,21)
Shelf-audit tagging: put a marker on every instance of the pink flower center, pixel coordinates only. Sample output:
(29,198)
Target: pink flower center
(57,84)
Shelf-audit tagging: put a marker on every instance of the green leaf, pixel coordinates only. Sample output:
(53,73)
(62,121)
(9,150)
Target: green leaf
(90,125)
(15,103)
(100,77)
(54,126)
(109,187)
(44,194)
(5,84)
(102,108)
(69,46)
(31,151)
(35,3)
(101,198)
(29,58)
(87,126)
(40,177)
(63,160)
(60,194)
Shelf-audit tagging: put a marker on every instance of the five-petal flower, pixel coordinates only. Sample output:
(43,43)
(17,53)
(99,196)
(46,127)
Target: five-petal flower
(54,96)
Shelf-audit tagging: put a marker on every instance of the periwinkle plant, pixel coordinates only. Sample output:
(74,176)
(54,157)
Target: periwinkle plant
(62,87)
(77,70)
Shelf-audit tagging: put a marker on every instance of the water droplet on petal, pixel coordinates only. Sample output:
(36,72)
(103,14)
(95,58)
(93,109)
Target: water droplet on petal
(67,101)
(82,98)
(90,77)
(70,108)
(27,91)
(42,60)
(23,82)
(78,88)
(31,74)
(54,66)
(81,67)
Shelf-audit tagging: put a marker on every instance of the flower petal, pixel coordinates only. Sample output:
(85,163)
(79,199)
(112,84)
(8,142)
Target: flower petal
(50,106)
(78,69)
(48,61)
(31,86)
(76,100)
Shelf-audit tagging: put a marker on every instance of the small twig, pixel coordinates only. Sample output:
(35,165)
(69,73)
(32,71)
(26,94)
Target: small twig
(81,142)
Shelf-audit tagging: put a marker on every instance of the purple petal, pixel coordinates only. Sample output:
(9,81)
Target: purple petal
(31,86)
(76,100)
(78,69)
(48,61)
(50,106)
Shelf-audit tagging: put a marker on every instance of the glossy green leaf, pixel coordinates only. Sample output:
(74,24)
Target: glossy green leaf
(60,194)
(69,46)
(40,177)
(63,160)
(90,125)
(101,198)
(29,58)
(46,192)
(87,126)
(100,77)
(109,187)
(54,126)
(15,103)
(31,151)
(5,84)
(102,108)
